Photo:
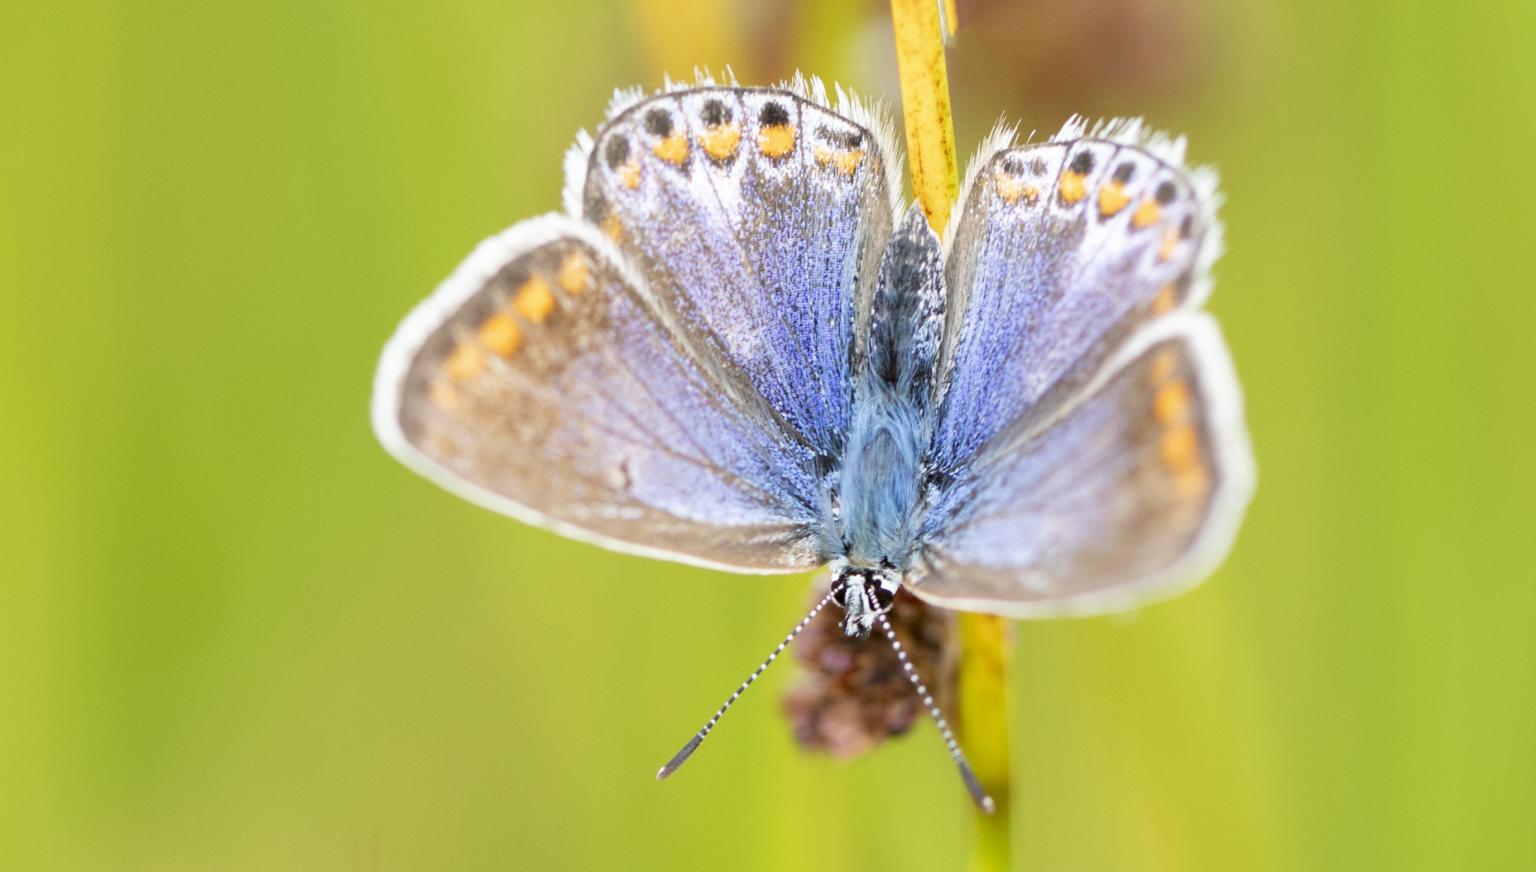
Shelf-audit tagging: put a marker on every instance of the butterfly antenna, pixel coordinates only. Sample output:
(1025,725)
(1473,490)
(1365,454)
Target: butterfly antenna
(682,756)
(971,783)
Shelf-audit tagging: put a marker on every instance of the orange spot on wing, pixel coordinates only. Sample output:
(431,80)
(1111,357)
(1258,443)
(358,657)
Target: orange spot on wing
(846,161)
(1072,186)
(721,141)
(575,273)
(1164,365)
(673,149)
(1179,448)
(629,174)
(500,335)
(1112,198)
(1171,402)
(1165,300)
(776,140)
(1012,189)
(612,227)
(1191,483)
(534,300)
(466,362)
(1146,214)
(443,395)
(1170,244)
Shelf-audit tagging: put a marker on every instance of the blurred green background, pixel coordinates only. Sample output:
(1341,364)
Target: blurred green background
(235,635)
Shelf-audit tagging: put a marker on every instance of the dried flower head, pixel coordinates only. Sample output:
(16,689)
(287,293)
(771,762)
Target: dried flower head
(853,694)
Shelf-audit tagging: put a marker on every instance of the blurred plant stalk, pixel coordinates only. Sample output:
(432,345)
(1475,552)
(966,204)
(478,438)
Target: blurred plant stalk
(925,107)
(986,650)
(985,643)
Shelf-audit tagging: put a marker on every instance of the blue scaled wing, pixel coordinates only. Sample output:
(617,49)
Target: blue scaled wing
(1131,493)
(1058,252)
(1089,450)
(760,216)
(545,381)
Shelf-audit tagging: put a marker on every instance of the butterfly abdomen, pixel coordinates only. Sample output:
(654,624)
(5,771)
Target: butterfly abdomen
(881,479)
(892,418)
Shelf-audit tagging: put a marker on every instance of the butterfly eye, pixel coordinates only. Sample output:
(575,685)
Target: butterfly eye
(839,587)
(884,597)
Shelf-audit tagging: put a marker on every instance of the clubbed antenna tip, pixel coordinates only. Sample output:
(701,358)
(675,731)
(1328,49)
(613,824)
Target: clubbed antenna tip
(680,757)
(972,784)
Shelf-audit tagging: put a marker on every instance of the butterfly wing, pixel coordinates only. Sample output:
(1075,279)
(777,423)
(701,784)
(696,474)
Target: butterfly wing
(544,380)
(1134,490)
(760,215)
(1058,252)
(1090,452)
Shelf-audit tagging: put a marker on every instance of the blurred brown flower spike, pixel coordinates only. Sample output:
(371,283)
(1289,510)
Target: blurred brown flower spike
(853,695)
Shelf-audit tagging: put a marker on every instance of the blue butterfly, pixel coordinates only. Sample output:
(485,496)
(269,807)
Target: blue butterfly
(737,349)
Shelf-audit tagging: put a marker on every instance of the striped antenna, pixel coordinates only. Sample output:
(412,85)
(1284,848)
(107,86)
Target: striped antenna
(682,756)
(971,783)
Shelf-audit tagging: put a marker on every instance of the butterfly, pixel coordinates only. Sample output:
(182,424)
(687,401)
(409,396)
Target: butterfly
(738,348)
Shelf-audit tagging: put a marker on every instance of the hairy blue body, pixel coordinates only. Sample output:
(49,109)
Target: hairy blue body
(883,469)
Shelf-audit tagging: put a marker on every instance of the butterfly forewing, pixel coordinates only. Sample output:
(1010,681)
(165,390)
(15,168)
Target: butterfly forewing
(1131,490)
(760,216)
(1061,250)
(541,380)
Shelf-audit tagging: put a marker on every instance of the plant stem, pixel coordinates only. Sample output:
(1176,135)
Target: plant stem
(925,107)
(985,654)
(986,646)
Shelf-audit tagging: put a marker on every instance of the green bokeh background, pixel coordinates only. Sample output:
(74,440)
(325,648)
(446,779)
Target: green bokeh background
(235,635)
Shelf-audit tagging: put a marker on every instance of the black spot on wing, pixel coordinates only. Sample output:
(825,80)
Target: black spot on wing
(715,113)
(773,114)
(616,152)
(659,122)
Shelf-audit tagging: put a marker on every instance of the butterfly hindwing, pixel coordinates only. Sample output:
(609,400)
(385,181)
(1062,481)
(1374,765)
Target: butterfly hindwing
(760,216)
(1134,488)
(542,380)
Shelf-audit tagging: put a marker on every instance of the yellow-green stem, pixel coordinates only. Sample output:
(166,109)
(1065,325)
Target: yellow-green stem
(986,646)
(925,107)
(985,653)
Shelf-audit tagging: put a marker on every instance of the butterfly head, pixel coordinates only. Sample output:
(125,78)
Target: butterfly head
(864,593)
